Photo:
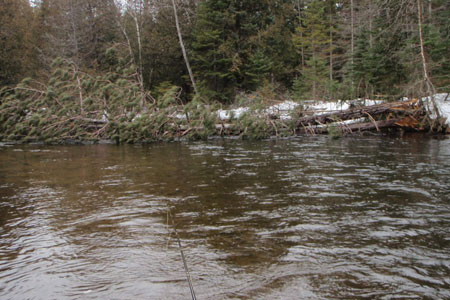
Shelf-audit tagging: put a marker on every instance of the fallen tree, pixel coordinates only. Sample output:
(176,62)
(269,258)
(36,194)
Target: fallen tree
(78,107)
(405,115)
(409,107)
(350,128)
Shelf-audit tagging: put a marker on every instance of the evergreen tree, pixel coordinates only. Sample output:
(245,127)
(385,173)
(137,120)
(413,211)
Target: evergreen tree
(162,58)
(18,55)
(214,61)
(437,43)
(313,38)
(238,44)
(273,42)
(380,55)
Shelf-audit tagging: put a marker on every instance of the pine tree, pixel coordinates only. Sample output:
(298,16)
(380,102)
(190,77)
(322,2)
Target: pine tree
(18,55)
(313,38)
(437,42)
(380,55)
(238,44)
(273,41)
(214,62)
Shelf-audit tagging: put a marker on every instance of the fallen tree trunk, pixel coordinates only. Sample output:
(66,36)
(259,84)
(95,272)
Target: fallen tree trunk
(410,107)
(409,115)
(350,128)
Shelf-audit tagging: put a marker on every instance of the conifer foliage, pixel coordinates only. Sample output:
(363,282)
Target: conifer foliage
(109,69)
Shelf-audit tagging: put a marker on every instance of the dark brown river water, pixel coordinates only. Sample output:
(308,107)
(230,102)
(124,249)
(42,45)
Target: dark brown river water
(307,218)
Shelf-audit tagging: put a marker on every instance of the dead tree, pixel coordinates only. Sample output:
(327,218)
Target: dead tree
(183,49)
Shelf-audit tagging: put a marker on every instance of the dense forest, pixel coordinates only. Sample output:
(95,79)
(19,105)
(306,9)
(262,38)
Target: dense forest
(69,64)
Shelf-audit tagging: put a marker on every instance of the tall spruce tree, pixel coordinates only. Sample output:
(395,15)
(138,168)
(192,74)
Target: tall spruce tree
(272,56)
(238,44)
(313,38)
(379,55)
(214,61)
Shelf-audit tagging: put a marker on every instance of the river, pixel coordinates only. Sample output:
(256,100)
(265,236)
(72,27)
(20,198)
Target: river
(303,218)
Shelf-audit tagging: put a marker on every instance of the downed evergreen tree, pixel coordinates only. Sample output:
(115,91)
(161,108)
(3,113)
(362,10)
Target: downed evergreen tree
(409,115)
(77,106)
(113,105)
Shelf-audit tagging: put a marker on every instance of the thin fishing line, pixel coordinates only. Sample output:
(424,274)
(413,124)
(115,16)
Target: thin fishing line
(186,269)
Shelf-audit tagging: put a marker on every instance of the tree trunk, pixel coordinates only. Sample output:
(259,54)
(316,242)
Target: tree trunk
(331,48)
(352,43)
(358,127)
(186,60)
(127,38)
(370,24)
(355,113)
(426,78)
(138,34)
(314,75)
(74,32)
(301,34)
(430,12)
(352,32)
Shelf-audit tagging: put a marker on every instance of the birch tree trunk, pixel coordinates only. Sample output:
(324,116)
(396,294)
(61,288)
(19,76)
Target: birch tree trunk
(426,77)
(183,49)
(122,28)
(139,40)
(74,32)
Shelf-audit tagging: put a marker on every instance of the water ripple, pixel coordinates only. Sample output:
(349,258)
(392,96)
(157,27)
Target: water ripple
(310,218)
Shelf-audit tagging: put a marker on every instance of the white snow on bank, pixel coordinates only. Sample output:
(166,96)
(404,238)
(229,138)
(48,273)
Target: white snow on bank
(282,109)
(443,105)
(224,114)
(323,107)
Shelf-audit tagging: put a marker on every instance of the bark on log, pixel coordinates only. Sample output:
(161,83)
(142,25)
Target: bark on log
(357,127)
(359,112)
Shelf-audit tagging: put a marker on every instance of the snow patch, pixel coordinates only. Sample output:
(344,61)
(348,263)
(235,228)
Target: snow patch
(283,109)
(326,107)
(228,114)
(105,117)
(283,106)
(323,107)
(443,105)
(181,116)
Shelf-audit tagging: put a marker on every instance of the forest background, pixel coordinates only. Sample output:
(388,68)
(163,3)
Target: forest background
(111,59)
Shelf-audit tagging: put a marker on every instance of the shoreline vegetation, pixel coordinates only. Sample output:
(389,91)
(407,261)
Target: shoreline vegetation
(77,107)
(146,71)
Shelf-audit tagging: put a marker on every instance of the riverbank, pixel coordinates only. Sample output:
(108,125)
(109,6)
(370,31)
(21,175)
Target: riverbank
(283,119)
(82,108)
(59,114)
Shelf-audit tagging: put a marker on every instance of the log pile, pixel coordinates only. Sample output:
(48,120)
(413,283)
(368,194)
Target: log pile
(405,115)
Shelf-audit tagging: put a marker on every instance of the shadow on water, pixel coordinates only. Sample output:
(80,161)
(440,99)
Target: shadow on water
(308,218)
